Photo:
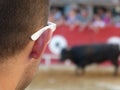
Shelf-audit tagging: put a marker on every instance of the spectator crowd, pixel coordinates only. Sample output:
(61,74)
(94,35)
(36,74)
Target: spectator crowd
(84,16)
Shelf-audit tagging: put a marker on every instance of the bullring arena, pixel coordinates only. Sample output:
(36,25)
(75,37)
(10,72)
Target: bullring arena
(96,77)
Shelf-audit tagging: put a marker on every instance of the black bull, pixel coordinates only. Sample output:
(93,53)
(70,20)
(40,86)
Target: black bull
(88,54)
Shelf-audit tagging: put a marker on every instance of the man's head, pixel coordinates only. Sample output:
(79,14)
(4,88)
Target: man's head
(20,55)
(18,21)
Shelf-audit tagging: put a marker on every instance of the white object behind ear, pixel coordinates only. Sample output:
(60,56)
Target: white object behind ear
(36,35)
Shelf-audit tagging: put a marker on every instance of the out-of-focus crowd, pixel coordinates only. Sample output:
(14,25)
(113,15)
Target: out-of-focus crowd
(73,15)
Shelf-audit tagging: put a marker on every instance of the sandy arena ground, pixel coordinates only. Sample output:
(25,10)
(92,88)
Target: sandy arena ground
(64,78)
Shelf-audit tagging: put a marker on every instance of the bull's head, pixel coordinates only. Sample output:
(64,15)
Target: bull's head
(64,54)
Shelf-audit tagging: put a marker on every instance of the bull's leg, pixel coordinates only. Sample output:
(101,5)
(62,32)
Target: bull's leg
(115,63)
(83,70)
(80,71)
(77,71)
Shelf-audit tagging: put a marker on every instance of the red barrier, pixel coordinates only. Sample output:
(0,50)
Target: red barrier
(76,37)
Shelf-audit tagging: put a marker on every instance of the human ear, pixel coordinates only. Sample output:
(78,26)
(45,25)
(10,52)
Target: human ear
(40,45)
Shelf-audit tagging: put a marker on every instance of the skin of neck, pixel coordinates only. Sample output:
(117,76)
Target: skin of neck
(13,69)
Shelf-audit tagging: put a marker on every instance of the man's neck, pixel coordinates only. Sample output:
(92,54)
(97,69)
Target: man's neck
(9,81)
(10,75)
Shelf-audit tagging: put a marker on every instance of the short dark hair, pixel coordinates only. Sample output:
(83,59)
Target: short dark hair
(19,19)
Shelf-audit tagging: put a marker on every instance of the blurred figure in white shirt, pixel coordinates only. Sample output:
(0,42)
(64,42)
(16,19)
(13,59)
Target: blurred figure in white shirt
(97,23)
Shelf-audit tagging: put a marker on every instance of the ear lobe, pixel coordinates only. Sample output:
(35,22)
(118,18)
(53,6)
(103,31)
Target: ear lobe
(40,45)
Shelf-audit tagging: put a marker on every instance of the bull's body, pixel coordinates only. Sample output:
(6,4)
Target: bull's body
(88,54)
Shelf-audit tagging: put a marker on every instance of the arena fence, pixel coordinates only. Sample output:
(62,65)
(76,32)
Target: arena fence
(65,36)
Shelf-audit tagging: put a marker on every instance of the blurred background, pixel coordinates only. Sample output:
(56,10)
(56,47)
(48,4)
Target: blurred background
(79,22)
